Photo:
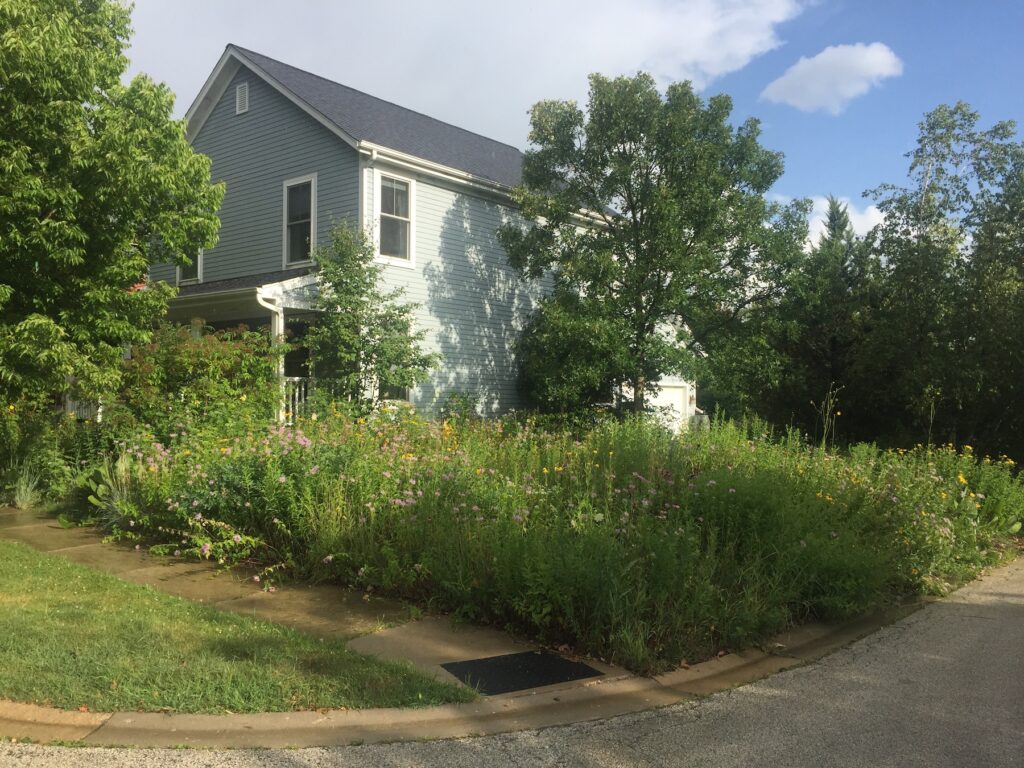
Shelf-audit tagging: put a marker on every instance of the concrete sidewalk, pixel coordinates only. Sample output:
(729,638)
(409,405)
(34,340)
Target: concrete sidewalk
(380,627)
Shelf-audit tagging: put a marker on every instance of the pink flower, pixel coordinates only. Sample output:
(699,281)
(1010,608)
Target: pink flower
(282,479)
(237,539)
(205,550)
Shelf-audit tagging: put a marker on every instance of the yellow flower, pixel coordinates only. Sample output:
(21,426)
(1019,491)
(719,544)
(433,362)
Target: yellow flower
(545,470)
(10,408)
(962,479)
(243,398)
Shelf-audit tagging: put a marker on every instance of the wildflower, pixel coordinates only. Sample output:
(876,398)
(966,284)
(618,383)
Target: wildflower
(243,398)
(732,490)
(131,523)
(712,482)
(177,553)
(137,547)
(282,479)
(315,469)
(256,578)
(328,559)
(205,550)
(963,480)
(237,539)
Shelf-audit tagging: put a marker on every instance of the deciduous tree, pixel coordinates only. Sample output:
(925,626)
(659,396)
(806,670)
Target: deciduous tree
(96,182)
(649,215)
(364,337)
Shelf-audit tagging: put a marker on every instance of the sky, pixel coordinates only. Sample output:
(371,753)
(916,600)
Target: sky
(838,85)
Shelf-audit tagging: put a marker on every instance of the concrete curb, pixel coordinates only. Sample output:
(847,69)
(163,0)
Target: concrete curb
(539,708)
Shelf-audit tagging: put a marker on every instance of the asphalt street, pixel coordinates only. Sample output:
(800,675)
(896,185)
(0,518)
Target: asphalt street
(941,688)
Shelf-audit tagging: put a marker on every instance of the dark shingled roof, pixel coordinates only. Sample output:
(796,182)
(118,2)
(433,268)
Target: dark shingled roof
(246,281)
(367,118)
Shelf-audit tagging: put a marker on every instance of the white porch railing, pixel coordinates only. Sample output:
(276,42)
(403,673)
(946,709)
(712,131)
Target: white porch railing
(297,392)
(83,409)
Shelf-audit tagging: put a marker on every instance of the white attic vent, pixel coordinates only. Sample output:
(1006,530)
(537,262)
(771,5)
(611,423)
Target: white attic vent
(241,98)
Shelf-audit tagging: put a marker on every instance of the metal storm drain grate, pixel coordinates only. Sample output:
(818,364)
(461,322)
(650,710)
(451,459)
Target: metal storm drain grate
(518,671)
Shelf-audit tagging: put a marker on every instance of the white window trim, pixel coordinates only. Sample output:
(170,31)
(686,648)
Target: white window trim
(311,178)
(191,280)
(409,263)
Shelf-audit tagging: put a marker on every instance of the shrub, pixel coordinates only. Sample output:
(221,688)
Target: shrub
(218,378)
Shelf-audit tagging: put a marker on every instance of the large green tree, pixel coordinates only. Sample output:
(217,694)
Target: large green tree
(649,215)
(96,182)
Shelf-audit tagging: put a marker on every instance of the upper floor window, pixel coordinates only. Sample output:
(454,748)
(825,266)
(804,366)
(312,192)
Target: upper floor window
(299,220)
(191,273)
(395,215)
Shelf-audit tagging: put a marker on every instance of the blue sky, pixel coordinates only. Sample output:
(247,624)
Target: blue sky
(839,85)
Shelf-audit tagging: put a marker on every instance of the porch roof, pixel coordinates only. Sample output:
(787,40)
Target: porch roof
(246,281)
(237,299)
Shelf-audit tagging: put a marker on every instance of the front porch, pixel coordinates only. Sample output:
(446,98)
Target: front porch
(282,302)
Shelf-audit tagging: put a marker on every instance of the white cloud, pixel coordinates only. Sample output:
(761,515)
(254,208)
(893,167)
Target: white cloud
(833,78)
(478,65)
(862,219)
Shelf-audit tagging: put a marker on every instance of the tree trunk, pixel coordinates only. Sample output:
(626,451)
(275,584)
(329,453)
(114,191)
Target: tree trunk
(638,394)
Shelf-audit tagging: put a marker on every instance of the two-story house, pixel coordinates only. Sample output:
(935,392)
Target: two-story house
(297,154)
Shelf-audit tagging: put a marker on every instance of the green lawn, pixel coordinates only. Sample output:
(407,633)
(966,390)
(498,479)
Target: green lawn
(72,637)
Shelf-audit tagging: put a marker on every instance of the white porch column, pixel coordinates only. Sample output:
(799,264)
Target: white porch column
(276,338)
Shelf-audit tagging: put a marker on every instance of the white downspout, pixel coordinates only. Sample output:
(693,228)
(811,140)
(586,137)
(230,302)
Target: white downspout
(276,335)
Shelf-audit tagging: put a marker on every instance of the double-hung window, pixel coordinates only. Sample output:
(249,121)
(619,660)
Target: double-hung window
(395,200)
(299,220)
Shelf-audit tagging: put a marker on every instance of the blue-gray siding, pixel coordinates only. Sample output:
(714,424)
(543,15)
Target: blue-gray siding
(472,304)
(253,154)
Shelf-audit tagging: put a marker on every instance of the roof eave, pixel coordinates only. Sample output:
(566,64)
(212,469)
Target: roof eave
(430,168)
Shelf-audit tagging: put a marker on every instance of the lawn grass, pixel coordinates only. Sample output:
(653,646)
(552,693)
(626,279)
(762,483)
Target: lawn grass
(73,637)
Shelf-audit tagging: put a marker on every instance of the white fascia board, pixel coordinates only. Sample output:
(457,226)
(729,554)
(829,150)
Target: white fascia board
(302,281)
(210,93)
(428,167)
(218,81)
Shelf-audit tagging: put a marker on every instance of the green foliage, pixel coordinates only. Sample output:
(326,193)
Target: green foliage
(97,183)
(364,338)
(624,541)
(179,379)
(916,325)
(649,215)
